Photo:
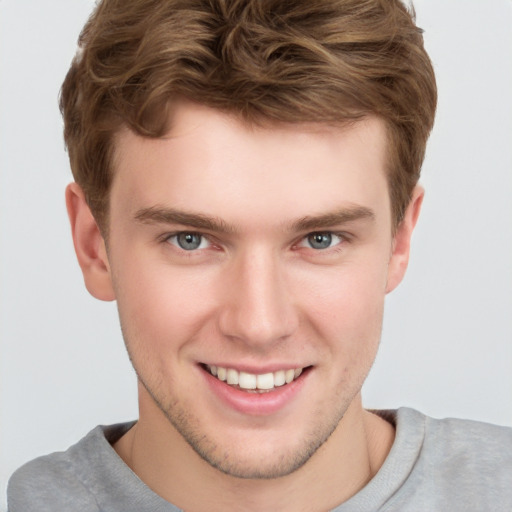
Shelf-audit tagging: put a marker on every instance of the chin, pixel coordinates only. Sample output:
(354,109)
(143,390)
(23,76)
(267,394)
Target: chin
(258,466)
(254,455)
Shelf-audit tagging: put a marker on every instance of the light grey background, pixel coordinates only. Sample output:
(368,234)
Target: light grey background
(447,342)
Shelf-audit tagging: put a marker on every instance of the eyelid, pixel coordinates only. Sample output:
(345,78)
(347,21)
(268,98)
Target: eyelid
(343,236)
(166,237)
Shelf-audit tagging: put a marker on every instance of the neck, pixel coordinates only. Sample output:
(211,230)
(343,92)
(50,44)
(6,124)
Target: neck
(342,466)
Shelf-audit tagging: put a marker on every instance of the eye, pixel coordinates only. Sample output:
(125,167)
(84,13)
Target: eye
(321,240)
(189,241)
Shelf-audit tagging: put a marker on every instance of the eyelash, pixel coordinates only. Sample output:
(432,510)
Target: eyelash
(167,238)
(342,236)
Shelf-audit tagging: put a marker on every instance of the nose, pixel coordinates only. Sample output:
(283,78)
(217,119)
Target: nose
(257,308)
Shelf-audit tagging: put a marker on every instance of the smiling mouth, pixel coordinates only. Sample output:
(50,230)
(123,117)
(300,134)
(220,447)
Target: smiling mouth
(255,383)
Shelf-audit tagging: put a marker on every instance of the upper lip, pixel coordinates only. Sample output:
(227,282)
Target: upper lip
(258,370)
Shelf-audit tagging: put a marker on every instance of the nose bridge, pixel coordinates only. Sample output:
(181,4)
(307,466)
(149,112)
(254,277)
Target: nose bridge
(257,309)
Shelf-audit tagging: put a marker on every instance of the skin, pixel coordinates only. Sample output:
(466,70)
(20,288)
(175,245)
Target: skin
(255,295)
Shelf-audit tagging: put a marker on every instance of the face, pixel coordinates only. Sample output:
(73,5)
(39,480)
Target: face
(250,267)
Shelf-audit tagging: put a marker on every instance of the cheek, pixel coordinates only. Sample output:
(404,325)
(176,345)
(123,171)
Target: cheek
(346,306)
(161,307)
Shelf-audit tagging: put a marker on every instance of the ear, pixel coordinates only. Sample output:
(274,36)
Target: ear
(402,240)
(89,245)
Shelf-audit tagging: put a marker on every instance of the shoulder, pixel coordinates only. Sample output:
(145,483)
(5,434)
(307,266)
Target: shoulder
(471,442)
(64,480)
(465,463)
(48,483)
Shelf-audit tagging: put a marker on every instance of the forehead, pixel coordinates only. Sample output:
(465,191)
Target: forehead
(210,158)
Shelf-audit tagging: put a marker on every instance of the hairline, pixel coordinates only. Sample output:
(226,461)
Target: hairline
(257,122)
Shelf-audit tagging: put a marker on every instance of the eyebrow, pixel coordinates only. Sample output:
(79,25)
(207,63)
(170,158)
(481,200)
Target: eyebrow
(342,216)
(162,215)
(159,215)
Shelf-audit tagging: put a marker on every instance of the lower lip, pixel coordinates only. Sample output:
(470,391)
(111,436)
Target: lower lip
(256,404)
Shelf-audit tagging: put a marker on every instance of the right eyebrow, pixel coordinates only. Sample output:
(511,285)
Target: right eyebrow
(161,215)
(348,214)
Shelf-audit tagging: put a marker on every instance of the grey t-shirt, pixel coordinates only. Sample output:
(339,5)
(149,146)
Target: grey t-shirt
(434,465)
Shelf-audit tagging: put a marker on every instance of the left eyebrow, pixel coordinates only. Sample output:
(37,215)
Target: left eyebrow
(162,215)
(342,216)
(159,215)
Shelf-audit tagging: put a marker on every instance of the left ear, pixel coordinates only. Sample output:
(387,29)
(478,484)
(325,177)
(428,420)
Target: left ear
(402,240)
(89,245)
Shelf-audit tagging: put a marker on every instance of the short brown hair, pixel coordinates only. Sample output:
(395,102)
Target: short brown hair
(328,61)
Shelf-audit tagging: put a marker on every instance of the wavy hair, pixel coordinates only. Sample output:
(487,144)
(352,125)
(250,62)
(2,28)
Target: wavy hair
(267,61)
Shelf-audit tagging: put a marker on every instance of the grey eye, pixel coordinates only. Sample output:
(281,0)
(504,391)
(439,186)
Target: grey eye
(320,240)
(189,241)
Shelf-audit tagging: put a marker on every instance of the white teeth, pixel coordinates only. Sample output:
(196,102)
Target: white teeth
(249,381)
(279,378)
(232,377)
(265,381)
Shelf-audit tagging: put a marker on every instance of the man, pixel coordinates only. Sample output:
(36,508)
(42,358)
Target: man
(246,190)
